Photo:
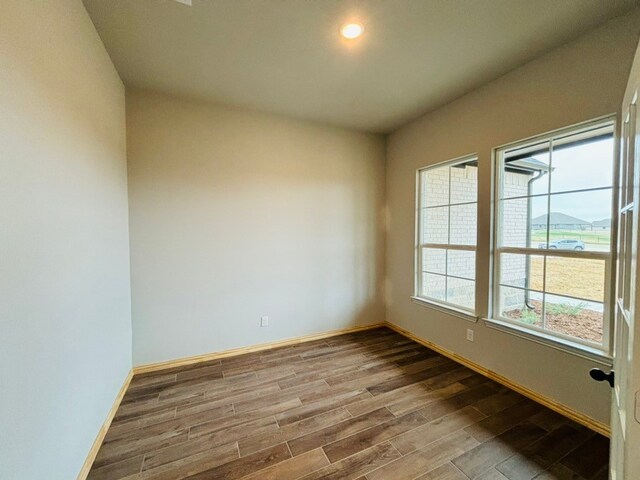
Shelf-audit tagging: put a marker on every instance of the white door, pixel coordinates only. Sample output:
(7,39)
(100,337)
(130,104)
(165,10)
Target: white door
(625,413)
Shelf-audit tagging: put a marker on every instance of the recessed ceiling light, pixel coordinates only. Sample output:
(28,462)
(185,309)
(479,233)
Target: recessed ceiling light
(352,30)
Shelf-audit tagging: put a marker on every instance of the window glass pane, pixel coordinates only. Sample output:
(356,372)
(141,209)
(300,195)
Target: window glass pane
(464,219)
(521,305)
(434,286)
(448,216)
(464,183)
(435,225)
(461,263)
(556,197)
(461,292)
(578,164)
(434,260)
(526,171)
(576,277)
(581,221)
(435,186)
(579,319)
(521,222)
(524,271)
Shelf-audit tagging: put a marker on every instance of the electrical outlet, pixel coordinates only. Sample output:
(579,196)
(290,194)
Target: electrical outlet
(469,334)
(264,321)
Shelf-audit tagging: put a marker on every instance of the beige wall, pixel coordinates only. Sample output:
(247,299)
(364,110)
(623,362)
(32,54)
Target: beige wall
(65,311)
(577,82)
(235,215)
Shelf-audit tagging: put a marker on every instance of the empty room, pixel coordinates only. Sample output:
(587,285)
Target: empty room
(319,239)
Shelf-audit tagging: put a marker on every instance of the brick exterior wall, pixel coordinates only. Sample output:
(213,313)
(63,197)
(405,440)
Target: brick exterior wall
(514,234)
(463,182)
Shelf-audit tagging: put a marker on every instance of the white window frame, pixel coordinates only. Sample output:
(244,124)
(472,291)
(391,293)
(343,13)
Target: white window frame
(418,297)
(540,334)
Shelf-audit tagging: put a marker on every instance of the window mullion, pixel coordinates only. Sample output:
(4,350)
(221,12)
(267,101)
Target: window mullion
(563,192)
(586,254)
(543,311)
(451,276)
(420,270)
(549,192)
(535,290)
(445,246)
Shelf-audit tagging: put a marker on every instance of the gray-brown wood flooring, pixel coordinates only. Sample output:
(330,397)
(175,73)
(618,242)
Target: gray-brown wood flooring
(365,406)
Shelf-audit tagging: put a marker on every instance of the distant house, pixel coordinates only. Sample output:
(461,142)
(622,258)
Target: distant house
(560,221)
(604,224)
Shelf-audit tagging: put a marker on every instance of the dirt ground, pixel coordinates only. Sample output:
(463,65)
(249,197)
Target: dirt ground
(587,324)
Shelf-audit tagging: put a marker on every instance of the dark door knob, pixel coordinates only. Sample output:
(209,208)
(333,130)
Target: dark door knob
(599,376)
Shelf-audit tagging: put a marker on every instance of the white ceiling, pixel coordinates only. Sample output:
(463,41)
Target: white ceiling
(285,56)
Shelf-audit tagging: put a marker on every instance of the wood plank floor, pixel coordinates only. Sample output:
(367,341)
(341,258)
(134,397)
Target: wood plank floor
(365,406)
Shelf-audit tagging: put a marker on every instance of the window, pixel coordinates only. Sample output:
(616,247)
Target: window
(446,237)
(552,261)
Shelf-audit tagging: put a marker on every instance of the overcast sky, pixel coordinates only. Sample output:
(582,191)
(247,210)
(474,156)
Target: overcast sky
(584,166)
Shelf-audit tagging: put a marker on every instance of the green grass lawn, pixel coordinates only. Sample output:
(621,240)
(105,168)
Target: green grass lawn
(592,237)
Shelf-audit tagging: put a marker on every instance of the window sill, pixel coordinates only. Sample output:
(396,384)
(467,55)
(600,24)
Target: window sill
(561,344)
(441,307)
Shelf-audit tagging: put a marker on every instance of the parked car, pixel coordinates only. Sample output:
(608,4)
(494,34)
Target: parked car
(565,244)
